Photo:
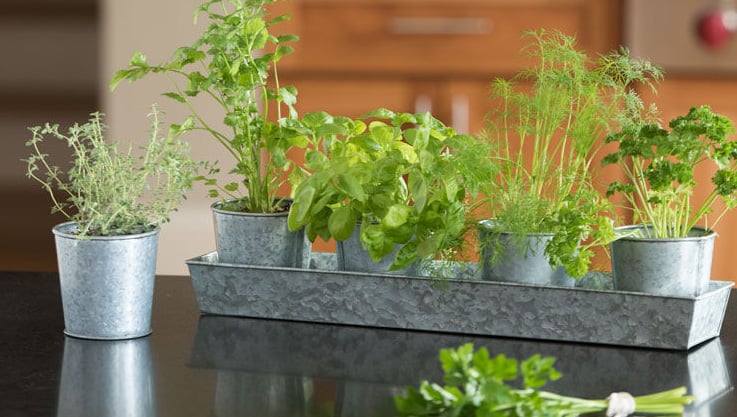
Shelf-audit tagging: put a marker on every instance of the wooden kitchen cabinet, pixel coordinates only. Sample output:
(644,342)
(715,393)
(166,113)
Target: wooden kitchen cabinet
(424,55)
(420,55)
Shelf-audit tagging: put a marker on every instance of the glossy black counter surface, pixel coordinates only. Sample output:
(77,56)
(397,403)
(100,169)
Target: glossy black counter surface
(196,365)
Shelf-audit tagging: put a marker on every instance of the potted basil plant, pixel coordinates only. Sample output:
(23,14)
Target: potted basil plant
(668,250)
(547,215)
(392,186)
(115,201)
(234,65)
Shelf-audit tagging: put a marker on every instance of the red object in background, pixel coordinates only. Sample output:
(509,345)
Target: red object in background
(715,29)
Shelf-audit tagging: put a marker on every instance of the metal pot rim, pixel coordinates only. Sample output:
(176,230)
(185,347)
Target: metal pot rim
(216,207)
(707,234)
(487,224)
(64,230)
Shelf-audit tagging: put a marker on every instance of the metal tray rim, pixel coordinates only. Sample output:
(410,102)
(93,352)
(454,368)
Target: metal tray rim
(207,260)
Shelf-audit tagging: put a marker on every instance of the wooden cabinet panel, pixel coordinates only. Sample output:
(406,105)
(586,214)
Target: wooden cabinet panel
(424,55)
(368,38)
(354,97)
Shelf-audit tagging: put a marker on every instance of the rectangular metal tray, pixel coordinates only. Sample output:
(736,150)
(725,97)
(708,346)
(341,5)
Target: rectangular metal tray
(458,306)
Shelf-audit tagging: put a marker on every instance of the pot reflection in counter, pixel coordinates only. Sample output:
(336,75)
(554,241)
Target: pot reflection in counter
(106,378)
(369,365)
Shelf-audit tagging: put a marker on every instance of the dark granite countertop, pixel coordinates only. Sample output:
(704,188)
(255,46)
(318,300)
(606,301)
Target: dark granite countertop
(196,365)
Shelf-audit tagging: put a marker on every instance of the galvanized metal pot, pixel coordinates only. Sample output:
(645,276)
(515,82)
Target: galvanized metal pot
(503,260)
(107,283)
(262,239)
(678,267)
(353,257)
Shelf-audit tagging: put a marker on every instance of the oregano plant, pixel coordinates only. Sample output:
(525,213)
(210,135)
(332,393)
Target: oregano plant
(546,133)
(660,166)
(111,189)
(234,65)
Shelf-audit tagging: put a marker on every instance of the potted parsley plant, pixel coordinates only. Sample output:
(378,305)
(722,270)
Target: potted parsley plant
(668,250)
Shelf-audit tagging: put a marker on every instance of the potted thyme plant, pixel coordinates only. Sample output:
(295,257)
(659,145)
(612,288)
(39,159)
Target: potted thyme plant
(547,213)
(392,186)
(234,65)
(669,249)
(115,201)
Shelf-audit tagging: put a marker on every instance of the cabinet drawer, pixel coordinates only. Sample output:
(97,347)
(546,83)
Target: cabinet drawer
(402,37)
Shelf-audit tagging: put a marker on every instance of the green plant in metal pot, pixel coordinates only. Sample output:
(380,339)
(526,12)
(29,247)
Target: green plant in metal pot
(660,166)
(109,190)
(234,65)
(115,199)
(547,131)
(403,177)
(669,249)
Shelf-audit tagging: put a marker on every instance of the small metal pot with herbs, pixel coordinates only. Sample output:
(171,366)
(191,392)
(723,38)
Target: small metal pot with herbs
(547,214)
(668,250)
(234,65)
(397,183)
(115,200)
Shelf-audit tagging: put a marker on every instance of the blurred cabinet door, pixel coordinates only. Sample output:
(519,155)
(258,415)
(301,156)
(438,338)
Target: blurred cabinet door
(424,55)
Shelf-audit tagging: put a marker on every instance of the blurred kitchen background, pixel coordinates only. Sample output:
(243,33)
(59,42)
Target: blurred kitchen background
(355,55)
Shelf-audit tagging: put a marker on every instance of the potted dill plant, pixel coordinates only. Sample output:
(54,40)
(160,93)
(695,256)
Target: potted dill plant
(668,250)
(115,200)
(234,65)
(391,188)
(547,214)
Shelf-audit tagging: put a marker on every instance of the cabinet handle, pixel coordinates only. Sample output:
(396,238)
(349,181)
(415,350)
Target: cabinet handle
(423,104)
(460,114)
(439,26)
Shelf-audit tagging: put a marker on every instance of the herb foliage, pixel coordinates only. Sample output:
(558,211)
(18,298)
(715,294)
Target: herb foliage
(477,385)
(234,64)
(110,190)
(660,166)
(547,132)
(404,177)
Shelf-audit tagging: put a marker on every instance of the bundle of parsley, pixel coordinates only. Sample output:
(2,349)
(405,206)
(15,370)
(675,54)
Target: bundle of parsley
(475,386)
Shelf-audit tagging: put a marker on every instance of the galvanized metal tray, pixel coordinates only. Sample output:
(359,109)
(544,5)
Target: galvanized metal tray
(458,306)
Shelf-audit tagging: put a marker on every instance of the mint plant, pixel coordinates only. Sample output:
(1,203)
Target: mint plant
(547,132)
(660,165)
(109,189)
(476,384)
(234,65)
(403,177)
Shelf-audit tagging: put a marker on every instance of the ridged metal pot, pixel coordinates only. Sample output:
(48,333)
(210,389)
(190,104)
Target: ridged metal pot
(502,259)
(107,283)
(107,378)
(678,267)
(262,239)
(353,257)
